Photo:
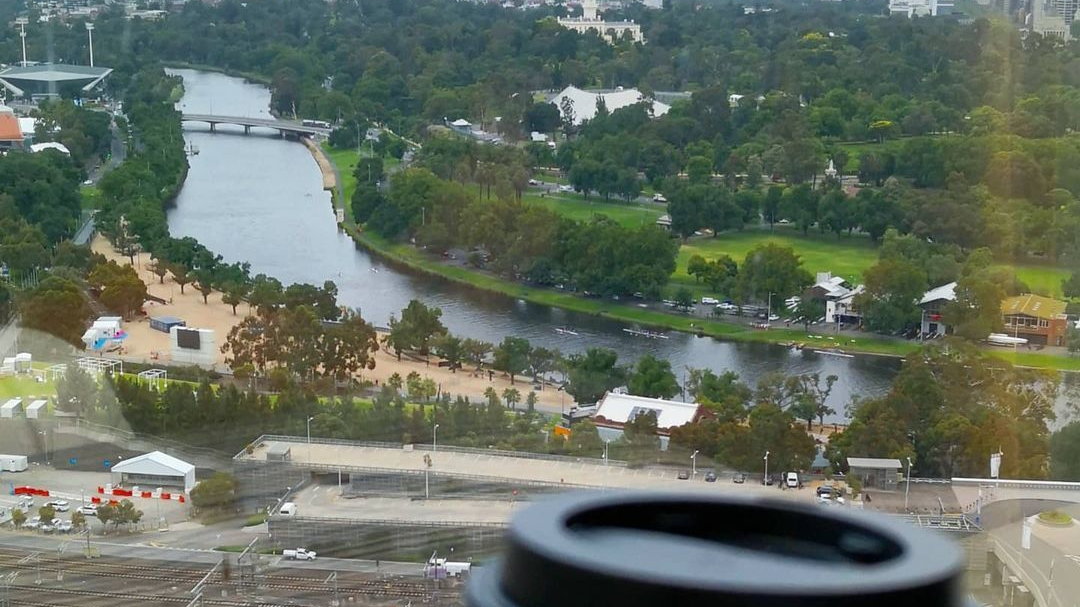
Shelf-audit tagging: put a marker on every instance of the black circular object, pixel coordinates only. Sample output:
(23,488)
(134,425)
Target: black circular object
(594,549)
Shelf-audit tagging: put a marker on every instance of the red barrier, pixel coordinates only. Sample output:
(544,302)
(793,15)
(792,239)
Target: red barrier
(182,500)
(122,492)
(114,502)
(146,494)
(101,489)
(95,500)
(22,491)
(166,496)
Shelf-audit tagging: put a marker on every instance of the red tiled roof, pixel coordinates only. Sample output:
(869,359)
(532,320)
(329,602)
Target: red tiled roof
(9,127)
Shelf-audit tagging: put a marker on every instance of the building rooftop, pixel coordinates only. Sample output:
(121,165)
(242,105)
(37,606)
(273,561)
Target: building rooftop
(585,102)
(52,73)
(621,408)
(9,127)
(1033,305)
(156,463)
(945,292)
(873,462)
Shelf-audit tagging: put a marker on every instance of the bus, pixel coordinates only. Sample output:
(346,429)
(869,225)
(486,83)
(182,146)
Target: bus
(322,124)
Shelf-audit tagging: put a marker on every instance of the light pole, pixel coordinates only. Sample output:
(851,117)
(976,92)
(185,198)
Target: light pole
(90,33)
(22,22)
(435,439)
(768,311)
(765,481)
(309,436)
(907,485)
(605,453)
(693,463)
(45,440)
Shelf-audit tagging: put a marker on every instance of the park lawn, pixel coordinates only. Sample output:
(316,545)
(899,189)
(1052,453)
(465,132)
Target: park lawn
(345,161)
(847,257)
(1043,280)
(629,215)
(90,196)
(25,388)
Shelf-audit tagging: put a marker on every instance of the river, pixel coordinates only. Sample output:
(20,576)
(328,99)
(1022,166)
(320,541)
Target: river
(259,199)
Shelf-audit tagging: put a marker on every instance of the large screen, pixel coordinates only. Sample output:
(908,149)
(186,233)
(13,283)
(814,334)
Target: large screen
(187,339)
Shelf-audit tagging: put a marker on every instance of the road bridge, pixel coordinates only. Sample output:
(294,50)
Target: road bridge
(284,127)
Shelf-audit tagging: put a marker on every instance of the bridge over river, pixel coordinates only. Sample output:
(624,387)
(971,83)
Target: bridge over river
(284,127)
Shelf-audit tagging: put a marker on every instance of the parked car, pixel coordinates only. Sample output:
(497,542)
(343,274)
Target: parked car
(58,505)
(659,198)
(710,477)
(684,475)
(88,510)
(62,526)
(566,188)
(768,480)
(709,301)
(739,478)
(299,554)
(774,317)
(791,479)
(33,523)
(825,492)
(534,182)
(727,305)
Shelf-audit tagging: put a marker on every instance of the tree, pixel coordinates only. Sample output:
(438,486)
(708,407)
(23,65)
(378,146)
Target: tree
(160,268)
(451,349)
(46,514)
(1071,287)
(126,513)
(890,301)
(78,519)
(204,283)
(181,275)
(1065,453)
(771,268)
(542,117)
(512,356)
(653,377)
(512,397)
(107,513)
(215,493)
(684,298)
(369,171)
(976,311)
(639,433)
(120,288)
(233,294)
(56,306)
(76,392)
(18,517)
(592,374)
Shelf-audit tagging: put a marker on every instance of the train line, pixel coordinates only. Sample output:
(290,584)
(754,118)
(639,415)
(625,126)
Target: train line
(302,585)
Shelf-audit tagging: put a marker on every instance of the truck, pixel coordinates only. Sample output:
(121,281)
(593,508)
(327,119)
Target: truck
(12,463)
(300,554)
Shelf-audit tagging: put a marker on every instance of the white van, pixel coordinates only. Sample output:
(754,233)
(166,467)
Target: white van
(792,480)
(287,509)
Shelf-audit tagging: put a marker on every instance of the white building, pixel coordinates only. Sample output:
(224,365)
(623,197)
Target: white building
(1052,17)
(920,8)
(932,304)
(153,470)
(591,20)
(614,410)
(585,102)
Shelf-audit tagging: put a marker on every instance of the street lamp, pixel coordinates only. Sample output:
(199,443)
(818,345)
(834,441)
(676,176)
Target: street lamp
(45,439)
(765,481)
(693,462)
(605,453)
(435,439)
(907,485)
(90,33)
(22,22)
(309,436)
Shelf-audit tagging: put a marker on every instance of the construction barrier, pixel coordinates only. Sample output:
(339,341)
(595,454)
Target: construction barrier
(146,494)
(31,491)
(95,500)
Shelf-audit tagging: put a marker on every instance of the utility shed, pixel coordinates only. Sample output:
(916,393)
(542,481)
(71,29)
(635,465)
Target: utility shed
(9,409)
(36,409)
(876,473)
(278,452)
(164,323)
(155,469)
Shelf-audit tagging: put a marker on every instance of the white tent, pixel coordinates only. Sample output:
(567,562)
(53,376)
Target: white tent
(154,469)
(585,102)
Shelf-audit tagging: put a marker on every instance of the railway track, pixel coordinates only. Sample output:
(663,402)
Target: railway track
(147,599)
(183,576)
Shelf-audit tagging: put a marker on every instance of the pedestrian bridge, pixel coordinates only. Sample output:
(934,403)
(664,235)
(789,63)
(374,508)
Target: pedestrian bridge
(284,127)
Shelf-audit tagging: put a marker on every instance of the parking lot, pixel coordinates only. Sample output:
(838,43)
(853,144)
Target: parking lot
(325,501)
(75,488)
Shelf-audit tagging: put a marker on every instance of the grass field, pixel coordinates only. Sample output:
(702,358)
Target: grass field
(24,387)
(574,207)
(1043,280)
(847,257)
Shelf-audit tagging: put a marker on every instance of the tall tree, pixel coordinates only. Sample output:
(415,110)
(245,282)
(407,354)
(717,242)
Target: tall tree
(653,377)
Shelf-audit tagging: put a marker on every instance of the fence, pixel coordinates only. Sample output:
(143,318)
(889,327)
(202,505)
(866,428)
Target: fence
(387,539)
(1016,484)
(429,447)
